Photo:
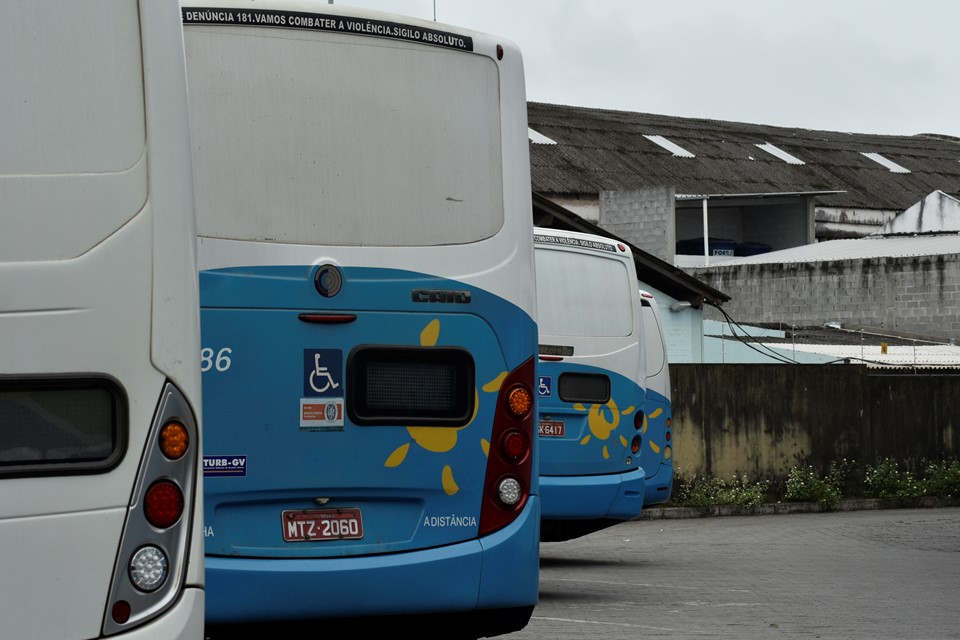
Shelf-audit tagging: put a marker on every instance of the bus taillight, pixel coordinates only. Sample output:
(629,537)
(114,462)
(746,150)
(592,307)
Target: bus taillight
(509,491)
(510,463)
(163,504)
(520,401)
(174,440)
(515,445)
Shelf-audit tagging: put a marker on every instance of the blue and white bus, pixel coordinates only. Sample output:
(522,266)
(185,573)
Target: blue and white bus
(657,432)
(590,382)
(100,518)
(368,316)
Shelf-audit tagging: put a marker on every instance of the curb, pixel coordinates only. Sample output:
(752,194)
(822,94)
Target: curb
(779,508)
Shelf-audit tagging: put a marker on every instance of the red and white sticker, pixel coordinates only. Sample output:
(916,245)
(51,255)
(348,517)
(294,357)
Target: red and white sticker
(321,414)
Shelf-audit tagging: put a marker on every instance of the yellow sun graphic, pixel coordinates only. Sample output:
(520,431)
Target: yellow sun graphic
(655,414)
(441,439)
(602,427)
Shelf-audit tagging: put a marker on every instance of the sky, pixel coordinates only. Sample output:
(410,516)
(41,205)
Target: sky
(863,66)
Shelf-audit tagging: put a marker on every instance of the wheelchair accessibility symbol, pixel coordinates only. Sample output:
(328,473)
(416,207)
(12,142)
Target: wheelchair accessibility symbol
(322,375)
(545,386)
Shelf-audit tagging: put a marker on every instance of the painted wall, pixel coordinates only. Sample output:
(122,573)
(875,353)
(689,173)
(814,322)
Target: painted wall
(918,295)
(642,217)
(762,420)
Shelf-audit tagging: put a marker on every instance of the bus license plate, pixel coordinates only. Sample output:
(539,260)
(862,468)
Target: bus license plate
(552,429)
(322,524)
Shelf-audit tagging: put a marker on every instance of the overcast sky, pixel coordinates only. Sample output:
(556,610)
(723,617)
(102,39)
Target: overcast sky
(865,66)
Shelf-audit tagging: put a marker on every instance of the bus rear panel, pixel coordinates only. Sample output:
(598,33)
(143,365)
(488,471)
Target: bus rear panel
(590,380)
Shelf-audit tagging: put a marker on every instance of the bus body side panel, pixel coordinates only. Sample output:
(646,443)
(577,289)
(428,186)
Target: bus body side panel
(587,469)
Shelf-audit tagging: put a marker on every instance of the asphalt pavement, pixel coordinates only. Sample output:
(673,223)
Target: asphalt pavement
(871,574)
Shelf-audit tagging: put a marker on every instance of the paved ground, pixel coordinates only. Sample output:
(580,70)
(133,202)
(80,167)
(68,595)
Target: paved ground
(888,574)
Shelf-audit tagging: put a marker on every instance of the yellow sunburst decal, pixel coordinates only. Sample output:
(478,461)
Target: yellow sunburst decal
(602,420)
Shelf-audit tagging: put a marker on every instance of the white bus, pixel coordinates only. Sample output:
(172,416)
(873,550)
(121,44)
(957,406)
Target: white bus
(591,381)
(368,303)
(657,432)
(99,325)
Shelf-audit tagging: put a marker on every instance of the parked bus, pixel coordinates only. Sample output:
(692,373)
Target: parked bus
(590,383)
(367,314)
(657,433)
(100,527)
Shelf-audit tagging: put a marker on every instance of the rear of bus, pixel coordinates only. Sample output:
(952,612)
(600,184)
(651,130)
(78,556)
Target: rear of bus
(99,325)
(368,332)
(590,384)
(657,452)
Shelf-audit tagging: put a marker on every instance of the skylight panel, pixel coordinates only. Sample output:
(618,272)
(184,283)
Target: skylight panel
(889,164)
(538,138)
(673,148)
(779,153)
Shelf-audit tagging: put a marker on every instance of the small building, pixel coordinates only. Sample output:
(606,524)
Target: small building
(673,186)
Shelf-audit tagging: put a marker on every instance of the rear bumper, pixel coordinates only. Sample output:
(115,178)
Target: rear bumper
(659,486)
(616,496)
(498,571)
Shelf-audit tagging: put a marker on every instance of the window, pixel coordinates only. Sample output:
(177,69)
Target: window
(56,426)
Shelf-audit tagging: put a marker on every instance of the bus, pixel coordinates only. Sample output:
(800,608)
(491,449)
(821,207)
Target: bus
(590,382)
(368,316)
(657,432)
(100,431)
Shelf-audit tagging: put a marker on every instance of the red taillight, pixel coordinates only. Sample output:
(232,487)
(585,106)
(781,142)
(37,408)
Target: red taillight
(120,611)
(668,436)
(163,504)
(510,463)
(635,445)
(515,445)
(669,423)
(638,420)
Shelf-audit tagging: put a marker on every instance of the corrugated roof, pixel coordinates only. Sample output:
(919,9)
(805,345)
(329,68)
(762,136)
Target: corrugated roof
(599,150)
(858,249)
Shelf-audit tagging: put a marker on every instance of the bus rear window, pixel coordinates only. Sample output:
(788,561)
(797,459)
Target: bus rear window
(389,144)
(410,386)
(581,294)
(584,387)
(60,426)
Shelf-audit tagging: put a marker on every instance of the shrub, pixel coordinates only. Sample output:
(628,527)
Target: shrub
(804,484)
(705,491)
(887,481)
(943,478)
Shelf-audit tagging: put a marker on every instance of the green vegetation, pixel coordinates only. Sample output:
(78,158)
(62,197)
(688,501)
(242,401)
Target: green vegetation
(844,479)
(703,491)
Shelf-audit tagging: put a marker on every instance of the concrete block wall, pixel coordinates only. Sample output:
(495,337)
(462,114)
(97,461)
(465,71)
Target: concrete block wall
(642,217)
(911,294)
